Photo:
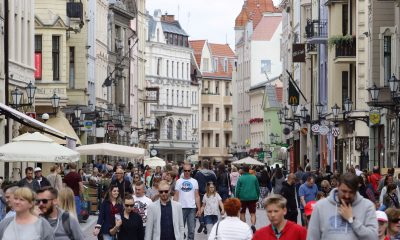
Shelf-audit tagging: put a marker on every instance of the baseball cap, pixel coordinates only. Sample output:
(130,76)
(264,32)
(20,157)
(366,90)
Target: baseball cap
(37,169)
(308,209)
(381,216)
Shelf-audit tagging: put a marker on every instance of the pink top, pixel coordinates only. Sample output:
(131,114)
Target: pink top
(234,178)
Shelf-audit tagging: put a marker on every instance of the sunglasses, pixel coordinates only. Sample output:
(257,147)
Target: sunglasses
(163,191)
(129,205)
(44,201)
(187,170)
(395,220)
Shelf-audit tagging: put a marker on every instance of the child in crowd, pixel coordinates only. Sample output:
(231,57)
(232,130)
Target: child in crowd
(212,202)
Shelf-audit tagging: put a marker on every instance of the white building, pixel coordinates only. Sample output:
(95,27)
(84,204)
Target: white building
(168,67)
(257,46)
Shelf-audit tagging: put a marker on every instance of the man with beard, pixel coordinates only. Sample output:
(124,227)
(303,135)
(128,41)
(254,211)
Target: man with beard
(29,181)
(345,214)
(65,227)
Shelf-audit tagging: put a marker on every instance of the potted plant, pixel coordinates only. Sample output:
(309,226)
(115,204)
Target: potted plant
(340,40)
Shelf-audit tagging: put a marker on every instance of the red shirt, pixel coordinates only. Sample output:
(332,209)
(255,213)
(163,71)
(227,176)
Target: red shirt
(374,180)
(291,231)
(72,180)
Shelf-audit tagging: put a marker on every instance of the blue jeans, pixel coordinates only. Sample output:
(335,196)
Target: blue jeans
(189,217)
(211,219)
(78,206)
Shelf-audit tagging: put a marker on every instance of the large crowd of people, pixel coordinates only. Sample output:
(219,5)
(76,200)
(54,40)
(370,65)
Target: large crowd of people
(138,202)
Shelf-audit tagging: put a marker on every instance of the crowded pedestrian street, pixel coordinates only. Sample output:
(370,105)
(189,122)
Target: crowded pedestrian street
(199,119)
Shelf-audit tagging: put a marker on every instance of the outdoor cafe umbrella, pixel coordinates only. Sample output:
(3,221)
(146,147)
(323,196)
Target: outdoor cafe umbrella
(154,162)
(35,147)
(109,149)
(248,161)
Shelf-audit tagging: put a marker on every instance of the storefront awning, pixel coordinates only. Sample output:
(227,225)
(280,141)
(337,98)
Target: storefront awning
(62,124)
(33,123)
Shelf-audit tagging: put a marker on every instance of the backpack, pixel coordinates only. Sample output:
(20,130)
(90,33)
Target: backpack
(67,225)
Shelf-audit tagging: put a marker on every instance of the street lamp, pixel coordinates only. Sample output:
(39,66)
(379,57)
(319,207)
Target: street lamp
(335,111)
(294,108)
(285,111)
(55,102)
(77,112)
(304,112)
(348,105)
(261,144)
(393,84)
(374,92)
(30,91)
(280,115)
(319,108)
(101,113)
(142,122)
(17,95)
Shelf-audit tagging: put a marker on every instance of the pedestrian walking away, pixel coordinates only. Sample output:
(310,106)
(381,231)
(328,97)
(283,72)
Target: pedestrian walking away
(212,203)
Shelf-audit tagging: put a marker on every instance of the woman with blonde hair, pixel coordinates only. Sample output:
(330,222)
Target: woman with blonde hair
(66,201)
(25,225)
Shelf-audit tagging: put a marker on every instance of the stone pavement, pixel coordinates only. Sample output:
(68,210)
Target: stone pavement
(88,227)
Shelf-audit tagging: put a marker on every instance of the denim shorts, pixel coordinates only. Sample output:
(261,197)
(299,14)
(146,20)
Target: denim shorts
(210,219)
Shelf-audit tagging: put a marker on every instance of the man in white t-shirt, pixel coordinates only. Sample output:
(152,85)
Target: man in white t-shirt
(187,194)
(141,202)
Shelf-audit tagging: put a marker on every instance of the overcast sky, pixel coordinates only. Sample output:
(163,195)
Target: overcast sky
(203,19)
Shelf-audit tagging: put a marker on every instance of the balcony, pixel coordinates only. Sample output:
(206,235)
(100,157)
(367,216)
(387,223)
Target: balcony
(210,98)
(210,125)
(75,10)
(345,51)
(316,31)
(311,48)
(227,100)
(227,126)
(211,151)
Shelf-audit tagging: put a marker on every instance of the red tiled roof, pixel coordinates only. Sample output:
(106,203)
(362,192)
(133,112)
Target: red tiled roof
(279,94)
(221,50)
(266,28)
(253,10)
(197,46)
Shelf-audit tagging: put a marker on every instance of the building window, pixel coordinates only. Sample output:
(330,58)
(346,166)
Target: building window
(217,87)
(216,114)
(179,130)
(265,66)
(169,129)
(170,37)
(183,93)
(71,67)
(175,39)
(158,66)
(202,140)
(202,114)
(166,37)
(205,64)
(187,99)
(167,97)
(226,139)
(180,40)
(215,64)
(217,140)
(56,57)
(387,58)
(209,114)
(188,71)
(167,68)
(225,65)
(172,67)
(177,97)
(227,92)
(208,139)
(172,102)
(183,67)
(38,57)
(227,114)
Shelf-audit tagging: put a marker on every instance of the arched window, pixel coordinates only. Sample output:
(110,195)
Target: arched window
(169,129)
(179,130)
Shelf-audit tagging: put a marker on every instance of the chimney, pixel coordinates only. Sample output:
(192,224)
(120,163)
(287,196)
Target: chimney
(168,18)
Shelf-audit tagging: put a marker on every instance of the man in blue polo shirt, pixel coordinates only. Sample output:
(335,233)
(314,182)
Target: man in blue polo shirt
(307,192)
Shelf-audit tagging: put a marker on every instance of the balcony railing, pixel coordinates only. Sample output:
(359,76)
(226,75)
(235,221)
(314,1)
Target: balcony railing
(316,29)
(346,49)
(75,10)
(311,47)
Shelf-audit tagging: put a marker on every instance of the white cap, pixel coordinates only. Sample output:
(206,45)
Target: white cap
(37,169)
(381,216)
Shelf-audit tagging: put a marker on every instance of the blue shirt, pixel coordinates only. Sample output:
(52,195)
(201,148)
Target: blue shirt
(309,193)
(167,225)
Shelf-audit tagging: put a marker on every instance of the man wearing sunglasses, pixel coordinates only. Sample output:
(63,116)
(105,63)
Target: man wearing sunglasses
(164,217)
(187,193)
(130,226)
(65,227)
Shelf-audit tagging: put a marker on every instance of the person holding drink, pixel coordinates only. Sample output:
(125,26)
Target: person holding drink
(130,224)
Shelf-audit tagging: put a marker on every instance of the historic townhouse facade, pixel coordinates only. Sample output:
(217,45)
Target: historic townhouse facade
(216,63)
(168,68)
